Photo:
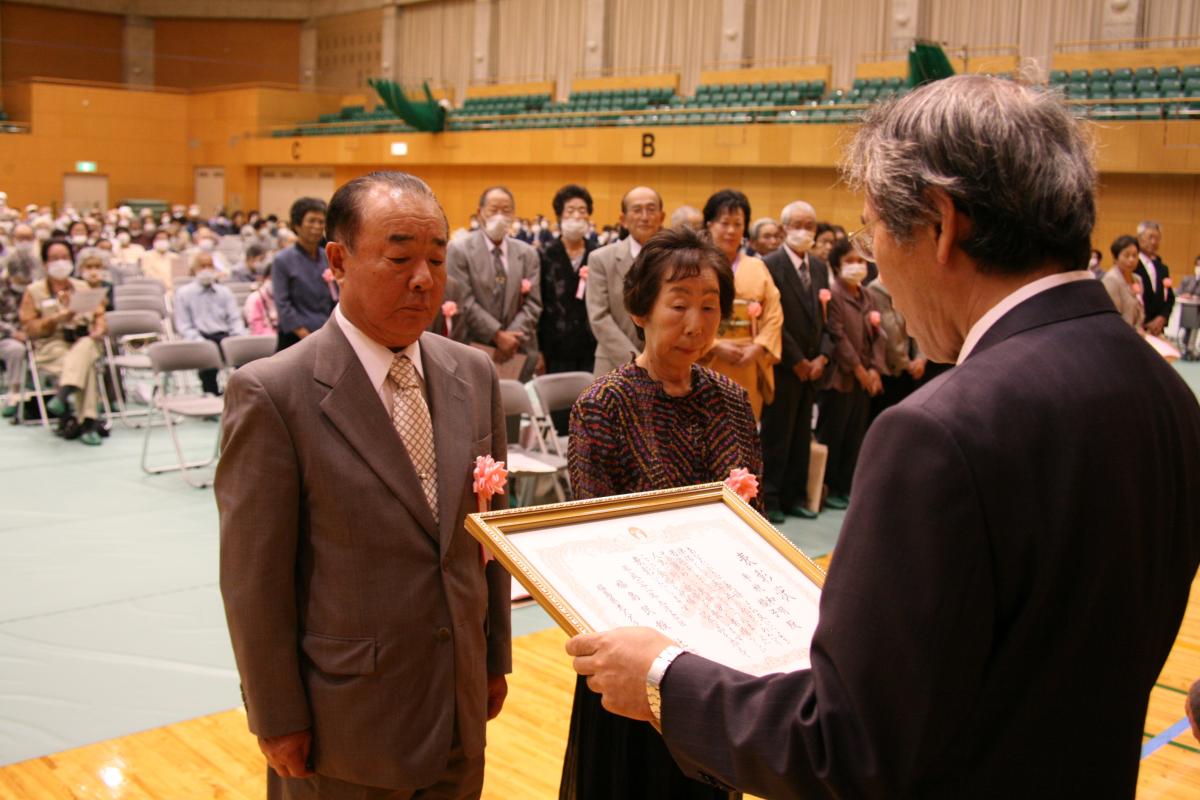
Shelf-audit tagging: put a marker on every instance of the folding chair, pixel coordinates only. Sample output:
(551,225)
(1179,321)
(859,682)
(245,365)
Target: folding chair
(526,467)
(124,329)
(123,290)
(245,348)
(167,358)
(140,302)
(558,391)
(30,372)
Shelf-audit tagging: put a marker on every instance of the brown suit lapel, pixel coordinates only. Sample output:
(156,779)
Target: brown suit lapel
(353,406)
(450,408)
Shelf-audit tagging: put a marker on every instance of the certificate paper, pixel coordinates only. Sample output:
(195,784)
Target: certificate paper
(696,572)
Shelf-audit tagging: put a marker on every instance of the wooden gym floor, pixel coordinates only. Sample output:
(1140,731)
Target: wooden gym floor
(215,757)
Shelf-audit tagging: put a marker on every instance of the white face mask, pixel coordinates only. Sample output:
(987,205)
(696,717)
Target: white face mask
(854,272)
(496,227)
(123,239)
(162,245)
(78,240)
(149,227)
(573,228)
(800,239)
(206,277)
(206,245)
(59,269)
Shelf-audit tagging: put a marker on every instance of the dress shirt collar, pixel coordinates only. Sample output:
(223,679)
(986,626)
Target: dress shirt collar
(491,246)
(796,259)
(375,358)
(635,247)
(984,323)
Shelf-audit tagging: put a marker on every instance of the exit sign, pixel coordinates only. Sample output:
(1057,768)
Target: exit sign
(85,166)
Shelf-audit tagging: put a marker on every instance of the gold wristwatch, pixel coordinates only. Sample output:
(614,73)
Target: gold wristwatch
(654,678)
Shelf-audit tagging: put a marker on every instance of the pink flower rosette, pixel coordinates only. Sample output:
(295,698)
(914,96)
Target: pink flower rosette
(875,318)
(754,310)
(743,483)
(526,285)
(1167,283)
(491,476)
(824,296)
(449,311)
(582,287)
(327,276)
(1136,285)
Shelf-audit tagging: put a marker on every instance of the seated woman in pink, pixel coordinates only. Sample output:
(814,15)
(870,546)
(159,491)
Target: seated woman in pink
(259,311)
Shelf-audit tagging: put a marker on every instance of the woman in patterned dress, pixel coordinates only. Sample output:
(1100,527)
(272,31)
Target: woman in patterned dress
(659,422)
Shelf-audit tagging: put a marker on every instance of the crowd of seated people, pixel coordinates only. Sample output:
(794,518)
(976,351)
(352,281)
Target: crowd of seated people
(812,325)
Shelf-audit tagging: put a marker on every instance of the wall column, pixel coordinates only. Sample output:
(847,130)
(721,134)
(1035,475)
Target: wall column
(308,53)
(389,29)
(733,34)
(1121,19)
(483,56)
(138,55)
(595,41)
(905,25)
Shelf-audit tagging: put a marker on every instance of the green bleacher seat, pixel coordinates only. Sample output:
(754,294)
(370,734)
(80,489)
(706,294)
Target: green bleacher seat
(1192,86)
(1058,76)
(792,98)
(1144,85)
(816,89)
(818,115)
(1100,92)
(800,87)
(875,83)
(1150,111)
(1124,96)
(1146,74)
(1122,86)
(858,83)
(761,98)
(869,94)
(1122,74)
(1190,71)
(1079,75)
(776,97)
(1101,74)
(895,82)
(1171,72)
(1077,91)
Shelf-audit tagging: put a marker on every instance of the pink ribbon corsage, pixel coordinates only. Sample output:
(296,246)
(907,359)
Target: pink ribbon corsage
(525,285)
(825,296)
(327,276)
(743,483)
(1166,283)
(449,310)
(875,318)
(1136,285)
(582,287)
(754,310)
(490,478)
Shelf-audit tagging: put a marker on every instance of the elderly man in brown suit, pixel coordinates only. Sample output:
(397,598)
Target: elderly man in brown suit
(371,639)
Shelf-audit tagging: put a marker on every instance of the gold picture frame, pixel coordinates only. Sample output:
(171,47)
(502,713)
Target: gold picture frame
(705,566)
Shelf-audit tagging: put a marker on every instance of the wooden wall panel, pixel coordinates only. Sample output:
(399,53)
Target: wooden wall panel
(60,43)
(200,53)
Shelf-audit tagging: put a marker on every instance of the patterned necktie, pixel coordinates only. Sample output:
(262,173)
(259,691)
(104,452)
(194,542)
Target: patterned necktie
(805,278)
(410,418)
(501,274)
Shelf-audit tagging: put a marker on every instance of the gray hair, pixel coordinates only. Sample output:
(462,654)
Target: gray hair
(1147,225)
(1010,157)
(681,215)
(796,207)
(757,227)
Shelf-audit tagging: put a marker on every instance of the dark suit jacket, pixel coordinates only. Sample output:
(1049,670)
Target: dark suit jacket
(563,328)
(351,611)
(804,333)
(995,616)
(1158,299)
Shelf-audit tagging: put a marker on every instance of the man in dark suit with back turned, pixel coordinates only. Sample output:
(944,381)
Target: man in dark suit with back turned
(371,639)
(986,592)
(787,422)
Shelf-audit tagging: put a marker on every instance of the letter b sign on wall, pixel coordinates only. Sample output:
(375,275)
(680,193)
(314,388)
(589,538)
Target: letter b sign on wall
(647,145)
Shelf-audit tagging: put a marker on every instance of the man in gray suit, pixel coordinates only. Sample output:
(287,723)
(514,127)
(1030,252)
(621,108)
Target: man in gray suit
(617,338)
(371,639)
(502,291)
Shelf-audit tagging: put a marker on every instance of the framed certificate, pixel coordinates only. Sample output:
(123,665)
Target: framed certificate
(697,563)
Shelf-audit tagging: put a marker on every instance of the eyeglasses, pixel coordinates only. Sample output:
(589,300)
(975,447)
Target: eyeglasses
(863,241)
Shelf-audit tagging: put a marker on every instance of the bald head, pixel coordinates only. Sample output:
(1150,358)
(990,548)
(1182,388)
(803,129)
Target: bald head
(642,212)
(795,210)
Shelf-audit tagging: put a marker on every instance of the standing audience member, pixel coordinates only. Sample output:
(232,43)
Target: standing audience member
(13,282)
(659,421)
(1189,293)
(1123,283)
(854,377)
(64,343)
(204,309)
(617,337)
(262,318)
(502,291)
(748,345)
(1158,297)
(687,216)
(765,237)
(824,241)
(904,366)
(787,421)
(564,336)
(303,287)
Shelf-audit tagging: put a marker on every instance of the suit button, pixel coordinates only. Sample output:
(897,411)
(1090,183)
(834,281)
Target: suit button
(446,564)
(443,634)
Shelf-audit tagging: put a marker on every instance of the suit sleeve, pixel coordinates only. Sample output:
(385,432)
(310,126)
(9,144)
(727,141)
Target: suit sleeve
(771,323)
(599,306)
(526,319)
(901,649)
(499,582)
(845,357)
(482,325)
(281,285)
(258,492)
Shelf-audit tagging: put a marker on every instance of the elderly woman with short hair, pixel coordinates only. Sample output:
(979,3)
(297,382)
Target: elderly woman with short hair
(659,422)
